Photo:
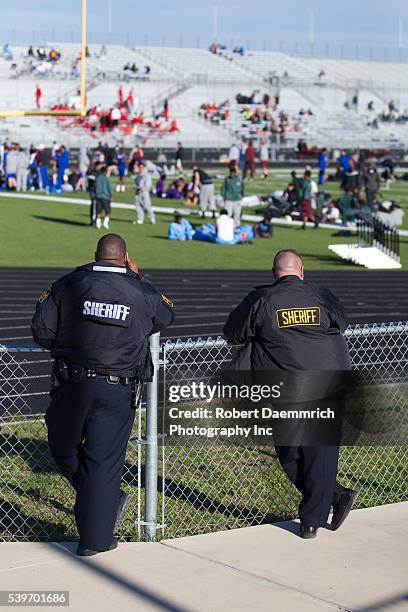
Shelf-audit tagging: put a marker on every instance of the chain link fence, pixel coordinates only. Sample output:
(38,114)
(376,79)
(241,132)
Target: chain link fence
(36,502)
(213,486)
(177,490)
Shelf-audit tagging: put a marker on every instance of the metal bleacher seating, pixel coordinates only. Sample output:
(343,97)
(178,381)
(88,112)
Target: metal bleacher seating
(189,77)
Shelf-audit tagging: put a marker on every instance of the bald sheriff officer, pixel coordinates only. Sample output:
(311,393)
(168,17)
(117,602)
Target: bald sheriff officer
(97,321)
(293,325)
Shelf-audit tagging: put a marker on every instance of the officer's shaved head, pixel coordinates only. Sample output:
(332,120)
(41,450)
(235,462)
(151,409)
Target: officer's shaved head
(288,262)
(111,247)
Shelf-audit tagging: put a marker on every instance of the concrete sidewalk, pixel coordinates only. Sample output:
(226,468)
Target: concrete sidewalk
(363,566)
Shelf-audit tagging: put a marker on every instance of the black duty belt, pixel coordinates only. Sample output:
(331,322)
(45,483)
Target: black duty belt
(70,372)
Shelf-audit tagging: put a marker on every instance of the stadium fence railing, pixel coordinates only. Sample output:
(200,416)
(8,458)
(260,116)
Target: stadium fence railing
(180,489)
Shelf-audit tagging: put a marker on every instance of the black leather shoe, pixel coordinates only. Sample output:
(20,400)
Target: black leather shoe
(342,508)
(124,501)
(308,533)
(88,552)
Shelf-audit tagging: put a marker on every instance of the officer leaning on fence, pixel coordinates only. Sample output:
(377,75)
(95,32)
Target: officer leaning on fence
(268,323)
(97,321)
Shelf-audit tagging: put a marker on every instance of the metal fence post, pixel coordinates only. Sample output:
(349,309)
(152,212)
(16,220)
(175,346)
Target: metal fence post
(151,444)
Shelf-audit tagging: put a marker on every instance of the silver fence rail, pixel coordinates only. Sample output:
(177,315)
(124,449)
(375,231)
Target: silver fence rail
(178,489)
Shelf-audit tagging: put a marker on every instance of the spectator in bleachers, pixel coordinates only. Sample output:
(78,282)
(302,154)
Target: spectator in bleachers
(7,52)
(74,69)
(54,55)
(120,95)
(30,52)
(38,94)
(180,229)
(232,191)
(129,102)
(250,156)
(103,52)
(147,69)
(173,127)
(166,110)
(41,53)
(116,116)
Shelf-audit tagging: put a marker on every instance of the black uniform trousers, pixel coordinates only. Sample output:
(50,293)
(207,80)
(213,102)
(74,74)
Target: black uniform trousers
(89,424)
(313,471)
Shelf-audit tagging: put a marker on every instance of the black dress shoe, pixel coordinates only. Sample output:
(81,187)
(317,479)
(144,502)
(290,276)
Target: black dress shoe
(342,508)
(124,501)
(307,533)
(88,552)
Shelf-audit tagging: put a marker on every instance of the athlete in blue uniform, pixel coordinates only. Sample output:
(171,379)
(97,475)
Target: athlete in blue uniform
(121,157)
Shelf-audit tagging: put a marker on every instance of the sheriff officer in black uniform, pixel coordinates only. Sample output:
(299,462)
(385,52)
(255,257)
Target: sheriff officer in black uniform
(97,321)
(293,325)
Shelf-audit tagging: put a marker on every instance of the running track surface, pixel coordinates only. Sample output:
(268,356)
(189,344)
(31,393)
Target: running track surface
(203,298)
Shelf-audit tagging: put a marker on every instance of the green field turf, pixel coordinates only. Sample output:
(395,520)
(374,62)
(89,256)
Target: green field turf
(207,487)
(41,233)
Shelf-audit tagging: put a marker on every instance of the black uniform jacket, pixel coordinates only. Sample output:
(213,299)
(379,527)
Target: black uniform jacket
(292,325)
(100,316)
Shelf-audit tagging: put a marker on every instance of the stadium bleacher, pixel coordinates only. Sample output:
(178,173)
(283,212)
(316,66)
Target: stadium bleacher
(190,77)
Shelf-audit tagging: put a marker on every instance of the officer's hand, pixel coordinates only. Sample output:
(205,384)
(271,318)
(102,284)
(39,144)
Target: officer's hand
(129,264)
